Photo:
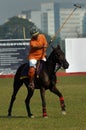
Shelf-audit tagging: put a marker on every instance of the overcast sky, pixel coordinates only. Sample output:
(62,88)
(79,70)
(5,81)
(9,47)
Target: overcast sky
(10,8)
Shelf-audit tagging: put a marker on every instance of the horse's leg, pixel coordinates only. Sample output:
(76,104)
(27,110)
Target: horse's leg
(42,92)
(27,100)
(16,87)
(61,99)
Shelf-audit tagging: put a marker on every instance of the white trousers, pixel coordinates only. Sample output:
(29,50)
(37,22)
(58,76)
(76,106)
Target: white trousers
(33,62)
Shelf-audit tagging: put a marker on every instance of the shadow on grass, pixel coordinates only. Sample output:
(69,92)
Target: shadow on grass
(37,117)
(22,117)
(14,117)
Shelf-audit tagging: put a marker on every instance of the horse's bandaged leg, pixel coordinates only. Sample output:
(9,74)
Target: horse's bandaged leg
(44,112)
(62,103)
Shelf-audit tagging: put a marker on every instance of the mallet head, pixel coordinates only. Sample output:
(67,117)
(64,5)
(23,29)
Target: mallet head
(77,5)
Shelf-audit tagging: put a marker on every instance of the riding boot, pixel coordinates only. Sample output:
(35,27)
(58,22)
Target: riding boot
(31,74)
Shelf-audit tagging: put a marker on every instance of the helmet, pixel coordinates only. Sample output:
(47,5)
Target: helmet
(34,31)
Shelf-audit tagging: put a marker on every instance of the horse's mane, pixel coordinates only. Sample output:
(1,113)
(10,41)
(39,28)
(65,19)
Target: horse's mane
(50,64)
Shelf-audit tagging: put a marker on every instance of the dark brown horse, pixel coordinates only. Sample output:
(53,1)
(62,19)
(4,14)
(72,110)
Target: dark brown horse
(46,80)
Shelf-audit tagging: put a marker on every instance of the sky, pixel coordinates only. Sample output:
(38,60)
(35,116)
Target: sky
(10,8)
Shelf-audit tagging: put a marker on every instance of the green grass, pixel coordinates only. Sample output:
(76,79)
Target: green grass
(72,87)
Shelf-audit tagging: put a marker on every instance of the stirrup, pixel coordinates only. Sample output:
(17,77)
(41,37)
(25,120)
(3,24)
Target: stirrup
(31,85)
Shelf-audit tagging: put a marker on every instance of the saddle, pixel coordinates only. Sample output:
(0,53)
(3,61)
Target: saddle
(39,66)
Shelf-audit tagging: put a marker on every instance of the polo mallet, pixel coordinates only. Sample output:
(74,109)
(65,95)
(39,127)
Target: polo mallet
(59,30)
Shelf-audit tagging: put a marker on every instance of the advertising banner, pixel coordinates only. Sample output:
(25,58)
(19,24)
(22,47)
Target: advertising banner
(75,49)
(13,53)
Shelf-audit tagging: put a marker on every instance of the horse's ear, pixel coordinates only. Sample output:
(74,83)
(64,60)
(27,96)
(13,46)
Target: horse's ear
(58,46)
(52,47)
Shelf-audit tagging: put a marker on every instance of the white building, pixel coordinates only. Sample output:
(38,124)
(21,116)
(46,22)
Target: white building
(22,16)
(36,18)
(75,26)
(50,17)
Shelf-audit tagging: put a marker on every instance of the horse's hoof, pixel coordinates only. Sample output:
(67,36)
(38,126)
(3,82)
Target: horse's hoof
(31,116)
(45,117)
(64,113)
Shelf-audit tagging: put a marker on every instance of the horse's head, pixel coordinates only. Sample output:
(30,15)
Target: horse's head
(59,57)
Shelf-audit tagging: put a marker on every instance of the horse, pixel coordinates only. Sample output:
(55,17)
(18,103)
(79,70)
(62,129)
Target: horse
(45,79)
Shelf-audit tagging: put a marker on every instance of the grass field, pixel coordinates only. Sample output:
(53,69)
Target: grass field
(72,87)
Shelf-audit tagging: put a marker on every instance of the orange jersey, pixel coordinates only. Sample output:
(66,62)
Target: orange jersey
(38,53)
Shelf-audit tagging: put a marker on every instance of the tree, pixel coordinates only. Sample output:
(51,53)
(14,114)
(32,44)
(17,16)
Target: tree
(17,28)
(13,28)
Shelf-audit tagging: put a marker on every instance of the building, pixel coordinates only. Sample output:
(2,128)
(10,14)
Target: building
(53,15)
(36,18)
(46,19)
(50,17)
(27,13)
(75,26)
(22,16)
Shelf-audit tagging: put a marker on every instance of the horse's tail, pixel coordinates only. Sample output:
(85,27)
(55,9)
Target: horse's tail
(17,78)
